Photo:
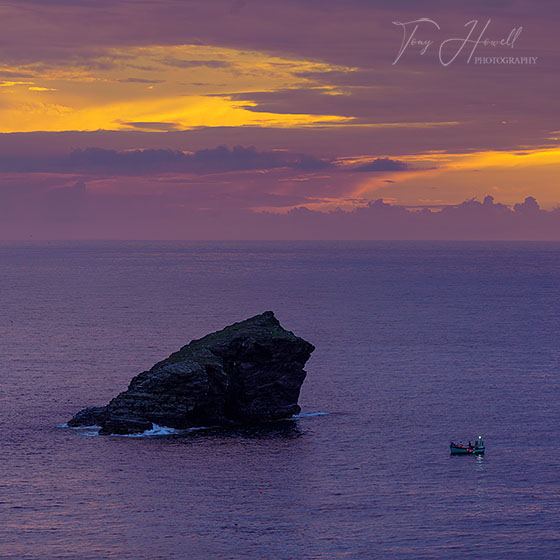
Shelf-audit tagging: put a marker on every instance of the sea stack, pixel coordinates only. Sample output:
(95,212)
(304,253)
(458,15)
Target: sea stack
(247,373)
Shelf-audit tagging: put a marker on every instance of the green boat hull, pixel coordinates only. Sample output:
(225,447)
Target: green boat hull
(466,450)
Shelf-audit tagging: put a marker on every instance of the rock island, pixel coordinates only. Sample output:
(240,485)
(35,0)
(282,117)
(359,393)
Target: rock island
(249,372)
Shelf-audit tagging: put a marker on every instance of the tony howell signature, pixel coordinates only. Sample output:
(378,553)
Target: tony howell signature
(450,49)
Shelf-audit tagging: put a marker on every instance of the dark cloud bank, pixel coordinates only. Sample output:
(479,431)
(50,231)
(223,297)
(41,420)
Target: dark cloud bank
(157,161)
(74,213)
(471,220)
(145,162)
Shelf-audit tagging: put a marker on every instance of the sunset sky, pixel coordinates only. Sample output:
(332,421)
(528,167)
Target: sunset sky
(114,113)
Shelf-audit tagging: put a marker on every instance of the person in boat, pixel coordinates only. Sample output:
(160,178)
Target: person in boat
(470,444)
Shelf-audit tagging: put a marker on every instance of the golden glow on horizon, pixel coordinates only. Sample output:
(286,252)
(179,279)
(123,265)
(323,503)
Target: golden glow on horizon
(452,178)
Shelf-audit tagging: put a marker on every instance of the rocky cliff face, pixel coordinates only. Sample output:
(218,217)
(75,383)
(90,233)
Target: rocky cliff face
(248,372)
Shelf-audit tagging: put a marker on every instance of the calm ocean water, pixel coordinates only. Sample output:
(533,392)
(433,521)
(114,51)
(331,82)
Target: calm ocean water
(417,344)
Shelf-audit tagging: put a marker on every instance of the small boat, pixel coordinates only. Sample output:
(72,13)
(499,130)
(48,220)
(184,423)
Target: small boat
(469,449)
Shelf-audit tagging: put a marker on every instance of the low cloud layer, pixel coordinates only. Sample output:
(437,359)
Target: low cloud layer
(76,212)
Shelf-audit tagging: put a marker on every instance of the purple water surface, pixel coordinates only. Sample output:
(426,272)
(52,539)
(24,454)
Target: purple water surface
(417,344)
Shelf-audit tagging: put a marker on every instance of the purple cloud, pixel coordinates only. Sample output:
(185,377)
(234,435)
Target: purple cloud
(161,161)
(382,164)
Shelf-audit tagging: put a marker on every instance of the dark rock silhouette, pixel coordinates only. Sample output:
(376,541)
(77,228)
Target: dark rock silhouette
(249,372)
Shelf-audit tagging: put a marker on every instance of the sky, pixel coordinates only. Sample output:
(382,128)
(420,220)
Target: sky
(219,119)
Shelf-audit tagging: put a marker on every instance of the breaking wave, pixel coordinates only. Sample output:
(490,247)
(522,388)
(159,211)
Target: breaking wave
(156,430)
(309,414)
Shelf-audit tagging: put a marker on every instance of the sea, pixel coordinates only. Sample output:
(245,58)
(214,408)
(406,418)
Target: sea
(417,344)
